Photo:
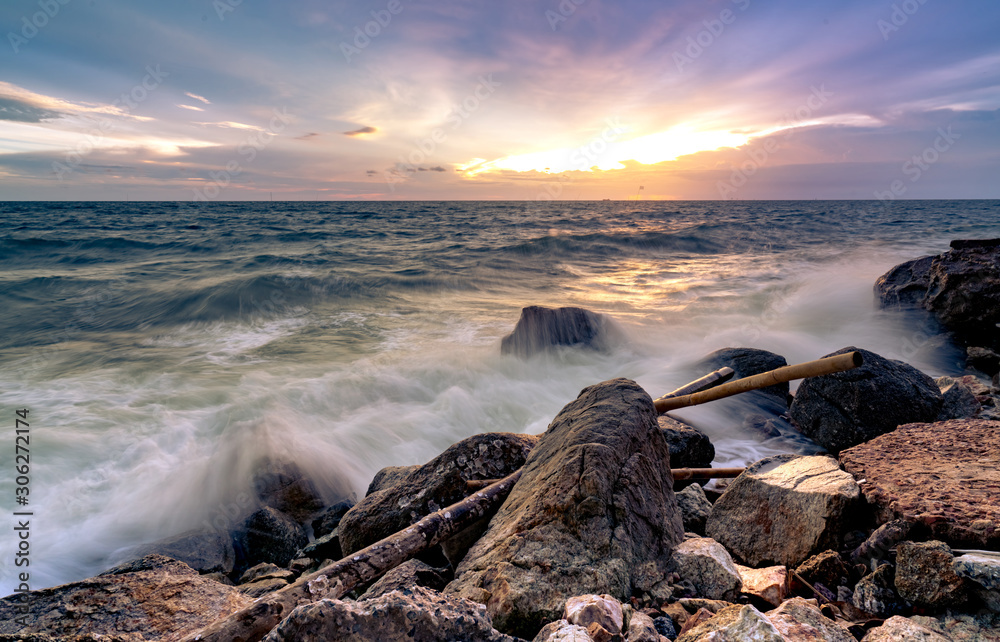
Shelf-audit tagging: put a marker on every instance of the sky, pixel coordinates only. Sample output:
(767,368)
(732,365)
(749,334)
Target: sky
(519,100)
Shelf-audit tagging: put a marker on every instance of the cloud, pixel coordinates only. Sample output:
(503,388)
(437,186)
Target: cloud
(307,136)
(197,97)
(16,110)
(191,107)
(360,132)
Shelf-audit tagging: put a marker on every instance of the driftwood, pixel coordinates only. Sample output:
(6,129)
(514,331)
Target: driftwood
(333,581)
(828,365)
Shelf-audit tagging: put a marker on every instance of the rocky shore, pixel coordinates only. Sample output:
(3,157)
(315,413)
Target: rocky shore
(887,527)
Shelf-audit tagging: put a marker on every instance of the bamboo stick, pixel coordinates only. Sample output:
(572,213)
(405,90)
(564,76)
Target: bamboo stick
(825,366)
(718,376)
(335,580)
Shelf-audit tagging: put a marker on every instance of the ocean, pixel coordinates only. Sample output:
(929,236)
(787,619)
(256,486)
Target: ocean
(163,348)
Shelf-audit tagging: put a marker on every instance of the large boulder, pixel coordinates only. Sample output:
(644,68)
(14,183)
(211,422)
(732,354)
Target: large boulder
(267,535)
(783,509)
(540,328)
(388,476)
(689,447)
(943,475)
(746,362)
(904,285)
(439,483)
(204,551)
(734,623)
(593,512)
(417,614)
(156,598)
(844,409)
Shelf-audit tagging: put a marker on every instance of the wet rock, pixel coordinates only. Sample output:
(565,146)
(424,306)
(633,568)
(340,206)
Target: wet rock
(944,476)
(267,535)
(734,623)
(407,575)
(800,620)
(901,629)
(904,285)
(689,447)
(594,511)
(641,628)
(562,631)
(388,476)
(707,565)
(540,328)
(983,359)
(925,575)
(747,362)
(330,518)
(826,568)
(326,547)
(204,551)
(602,609)
(876,593)
(416,614)
(435,485)
(958,400)
(284,487)
(783,509)
(695,508)
(156,598)
(844,409)
(769,584)
(963,292)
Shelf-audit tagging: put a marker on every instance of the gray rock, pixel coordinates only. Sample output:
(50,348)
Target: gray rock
(155,598)
(901,629)
(747,362)
(326,547)
(981,568)
(407,575)
(540,328)
(876,593)
(665,626)
(388,476)
(594,511)
(284,487)
(958,400)
(734,623)
(983,359)
(960,627)
(964,291)
(904,285)
(783,509)
(412,615)
(708,566)
(267,535)
(330,518)
(689,447)
(435,485)
(695,508)
(204,551)
(925,575)
(844,409)
(826,568)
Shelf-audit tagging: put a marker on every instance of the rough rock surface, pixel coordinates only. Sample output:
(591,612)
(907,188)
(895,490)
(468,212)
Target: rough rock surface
(602,609)
(708,566)
(983,359)
(982,569)
(155,597)
(204,551)
(438,483)
(962,627)
(594,511)
(783,509)
(826,568)
(800,620)
(770,584)
(904,285)
(540,328)
(284,487)
(959,402)
(388,476)
(901,629)
(844,409)
(876,593)
(641,628)
(562,631)
(945,475)
(267,535)
(416,614)
(326,547)
(695,508)
(407,575)
(689,447)
(330,518)
(734,623)
(925,575)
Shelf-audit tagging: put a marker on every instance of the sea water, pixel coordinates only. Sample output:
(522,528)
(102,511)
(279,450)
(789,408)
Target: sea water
(163,349)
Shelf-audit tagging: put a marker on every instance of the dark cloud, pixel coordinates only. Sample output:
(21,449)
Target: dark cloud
(437,169)
(22,112)
(359,132)
(307,136)
(371,172)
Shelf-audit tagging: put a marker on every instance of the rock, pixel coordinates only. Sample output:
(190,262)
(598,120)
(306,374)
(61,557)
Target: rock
(602,609)
(707,565)
(641,628)
(747,362)
(284,487)
(324,548)
(769,584)
(388,476)
(983,569)
(826,568)
(880,542)
(260,571)
(904,285)
(925,575)
(563,631)
(844,409)
(876,593)
(692,604)
(540,328)
(783,509)
(689,447)
(983,359)
(598,633)
(204,551)
(678,614)
(267,535)
(963,628)
(699,616)
(300,565)
(262,587)
(594,511)
(438,483)
(331,516)
(943,475)
(695,508)
(800,620)
(155,598)
(417,615)
(958,400)
(734,623)
(407,575)
(901,629)
(665,626)
(963,292)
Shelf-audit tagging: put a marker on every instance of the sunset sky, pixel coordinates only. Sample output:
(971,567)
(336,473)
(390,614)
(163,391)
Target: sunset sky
(579,99)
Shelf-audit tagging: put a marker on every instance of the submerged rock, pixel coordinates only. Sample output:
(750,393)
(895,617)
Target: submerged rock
(267,535)
(284,487)
(540,328)
(594,511)
(204,551)
(747,362)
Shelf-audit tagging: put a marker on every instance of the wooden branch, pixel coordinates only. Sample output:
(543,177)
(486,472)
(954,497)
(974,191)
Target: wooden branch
(828,365)
(333,581)
(721,375)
